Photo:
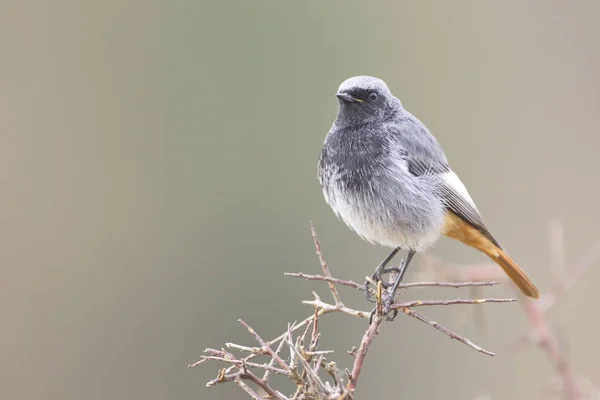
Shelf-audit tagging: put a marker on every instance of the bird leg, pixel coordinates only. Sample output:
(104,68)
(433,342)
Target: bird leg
(389,300)
(391,293)
(379,271)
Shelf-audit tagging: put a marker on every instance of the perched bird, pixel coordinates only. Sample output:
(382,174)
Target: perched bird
(385,175)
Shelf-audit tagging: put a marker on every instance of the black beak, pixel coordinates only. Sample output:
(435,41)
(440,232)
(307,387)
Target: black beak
(347,98)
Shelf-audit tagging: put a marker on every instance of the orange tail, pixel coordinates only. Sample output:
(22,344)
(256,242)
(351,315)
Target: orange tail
(515,273)
(457,228)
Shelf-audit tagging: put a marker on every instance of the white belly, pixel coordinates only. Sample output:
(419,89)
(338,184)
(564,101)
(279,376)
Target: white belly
(387,232)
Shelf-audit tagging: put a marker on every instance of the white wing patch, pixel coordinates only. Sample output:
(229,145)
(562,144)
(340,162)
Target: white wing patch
(453,181)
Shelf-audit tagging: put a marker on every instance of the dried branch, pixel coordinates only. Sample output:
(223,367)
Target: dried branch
(546,340)
(265,346)
(542,334)
(361,353)
(359,286)
(248,390)
(445,331)
(334,292)
(239,363)
(420,303)
(270,367)
(305,360)
(243,373)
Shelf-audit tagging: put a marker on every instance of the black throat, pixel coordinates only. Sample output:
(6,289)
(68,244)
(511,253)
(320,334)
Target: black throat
(356,152)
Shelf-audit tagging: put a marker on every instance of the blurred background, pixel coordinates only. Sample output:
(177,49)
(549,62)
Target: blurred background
(158,172)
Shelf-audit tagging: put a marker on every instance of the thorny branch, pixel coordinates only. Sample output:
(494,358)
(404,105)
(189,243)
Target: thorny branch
(542,335)
(305,365)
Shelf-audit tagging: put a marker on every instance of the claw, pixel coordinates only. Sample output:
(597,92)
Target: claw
(390,314)
(391,288)
(377,277)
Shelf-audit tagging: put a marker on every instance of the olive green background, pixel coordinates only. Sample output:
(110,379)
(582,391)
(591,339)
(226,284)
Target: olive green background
(158,172)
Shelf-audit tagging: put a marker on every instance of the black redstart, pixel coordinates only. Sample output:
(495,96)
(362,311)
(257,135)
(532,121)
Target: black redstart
(385,175)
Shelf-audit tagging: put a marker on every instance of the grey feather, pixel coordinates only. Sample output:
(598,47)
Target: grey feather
(463,209)
(425,156)
(384,174)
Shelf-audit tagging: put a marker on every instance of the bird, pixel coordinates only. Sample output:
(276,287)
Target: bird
(388,179)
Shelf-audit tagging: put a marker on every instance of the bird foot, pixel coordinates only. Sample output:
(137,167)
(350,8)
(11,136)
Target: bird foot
(386,309)
(376,277)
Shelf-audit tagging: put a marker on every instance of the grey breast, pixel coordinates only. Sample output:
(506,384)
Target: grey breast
(366,181)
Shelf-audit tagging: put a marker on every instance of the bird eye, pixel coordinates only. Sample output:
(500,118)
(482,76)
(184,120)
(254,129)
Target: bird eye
(373,96)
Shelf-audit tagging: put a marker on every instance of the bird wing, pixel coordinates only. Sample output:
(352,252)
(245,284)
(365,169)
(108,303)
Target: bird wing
(455,194)
(425,156)
(460,203)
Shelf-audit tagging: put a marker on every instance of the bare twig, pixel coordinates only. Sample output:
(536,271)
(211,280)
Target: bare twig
(359,286)
(296,327)
(239,363)
(565,278)
(587,260)
(272,362)
(306,360)
(247,389)
(445,331)
(342,282)
(325,308)
(446,284)
(334,292)
(264,385)
(265,346)
(542,335)
(546,340)
(420,303)
(252,350)
(362,314)
(313,378)
(361,353)
(315,335)
(242,374)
